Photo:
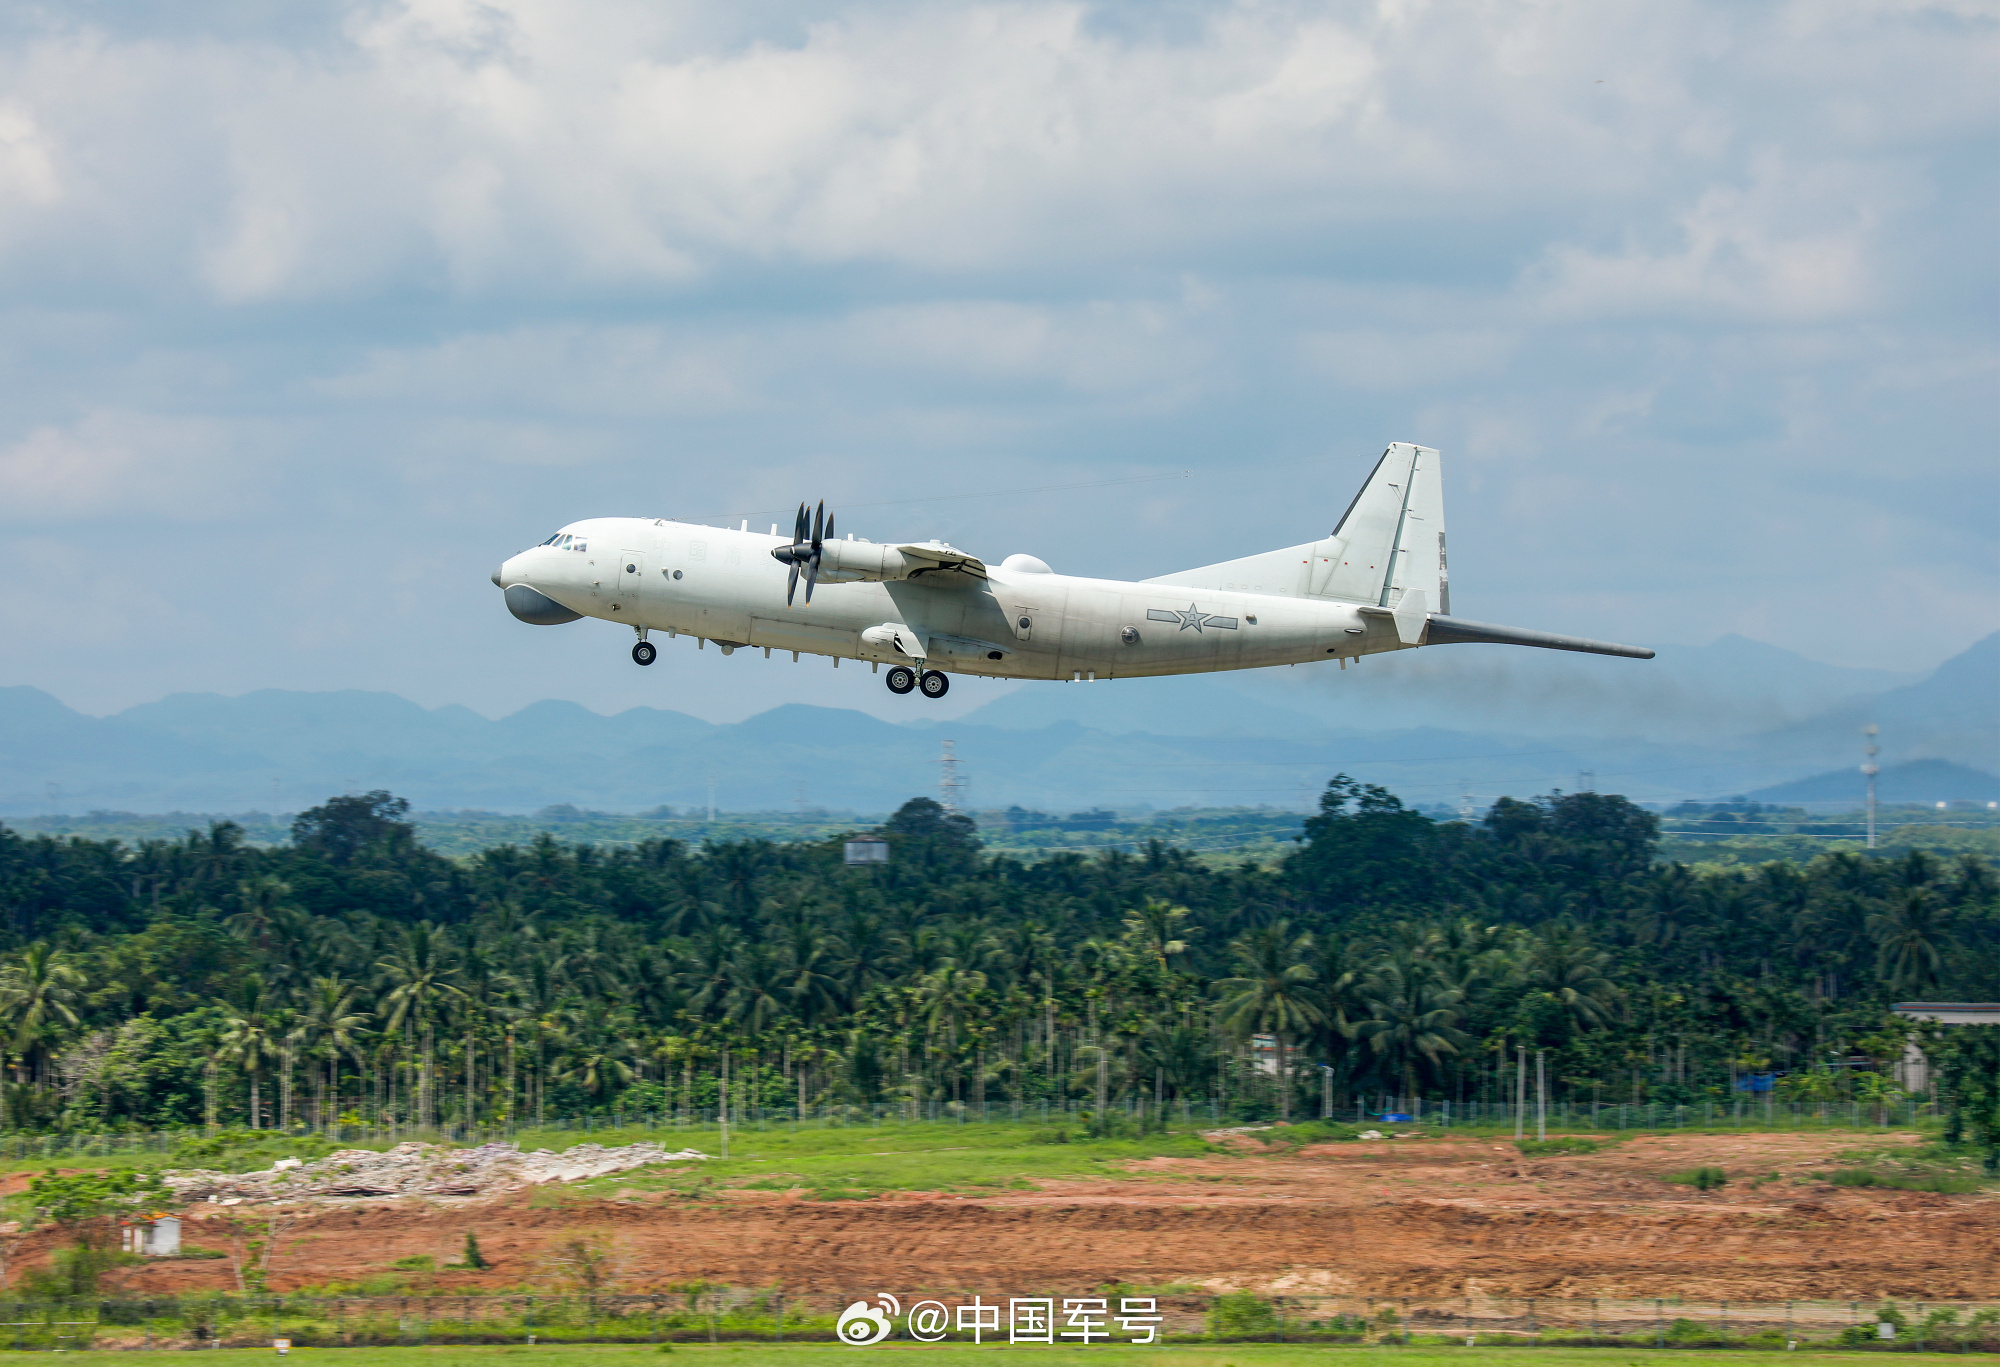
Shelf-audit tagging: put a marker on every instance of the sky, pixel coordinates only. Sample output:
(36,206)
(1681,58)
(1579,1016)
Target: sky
(311,314)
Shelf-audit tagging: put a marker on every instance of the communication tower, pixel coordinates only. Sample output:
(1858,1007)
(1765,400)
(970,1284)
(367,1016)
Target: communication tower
(949,782)
(1870,749)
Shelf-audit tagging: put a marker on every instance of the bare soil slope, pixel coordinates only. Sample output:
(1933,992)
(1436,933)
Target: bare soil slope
(1414,1217)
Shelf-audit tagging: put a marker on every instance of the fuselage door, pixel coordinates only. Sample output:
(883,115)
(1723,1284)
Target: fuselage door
(631,581)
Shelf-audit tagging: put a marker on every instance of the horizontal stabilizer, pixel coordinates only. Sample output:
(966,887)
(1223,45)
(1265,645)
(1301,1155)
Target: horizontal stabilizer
(1445,631)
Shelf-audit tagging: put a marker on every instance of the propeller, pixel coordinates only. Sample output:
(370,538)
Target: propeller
(805,550)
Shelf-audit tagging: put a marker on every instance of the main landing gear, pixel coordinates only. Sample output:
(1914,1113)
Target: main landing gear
(934,683)
(645,653)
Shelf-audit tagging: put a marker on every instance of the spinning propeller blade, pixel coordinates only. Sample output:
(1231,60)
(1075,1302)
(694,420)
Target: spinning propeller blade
(812,564)
(809,537)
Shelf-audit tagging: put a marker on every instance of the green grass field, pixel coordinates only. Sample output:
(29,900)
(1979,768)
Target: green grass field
(921,1155)
(993,1355)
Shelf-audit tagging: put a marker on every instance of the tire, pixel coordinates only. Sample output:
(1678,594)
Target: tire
(645,653)
(935,684)
(902,679)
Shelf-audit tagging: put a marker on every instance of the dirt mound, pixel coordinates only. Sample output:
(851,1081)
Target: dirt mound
(1411,1217)
(416,1170)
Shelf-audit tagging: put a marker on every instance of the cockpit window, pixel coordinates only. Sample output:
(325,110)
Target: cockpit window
(564,543)
(580,545)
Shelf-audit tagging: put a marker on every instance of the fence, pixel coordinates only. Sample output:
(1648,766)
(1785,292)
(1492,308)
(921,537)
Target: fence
(1111,1314)
(1741,1114)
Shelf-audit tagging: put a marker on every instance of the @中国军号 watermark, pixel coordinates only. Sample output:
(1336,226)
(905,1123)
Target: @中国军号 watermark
(1022,1319)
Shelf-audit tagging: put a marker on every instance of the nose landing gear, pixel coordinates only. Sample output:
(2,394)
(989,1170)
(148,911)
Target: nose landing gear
(645,653)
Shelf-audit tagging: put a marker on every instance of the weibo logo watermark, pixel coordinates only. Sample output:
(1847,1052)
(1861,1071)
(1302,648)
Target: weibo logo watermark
(1029,1319)
(865,1324)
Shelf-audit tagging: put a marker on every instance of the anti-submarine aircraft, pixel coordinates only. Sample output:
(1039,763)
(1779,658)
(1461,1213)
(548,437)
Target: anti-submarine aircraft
(927,610)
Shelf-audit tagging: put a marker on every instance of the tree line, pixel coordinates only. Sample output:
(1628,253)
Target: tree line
(354,976)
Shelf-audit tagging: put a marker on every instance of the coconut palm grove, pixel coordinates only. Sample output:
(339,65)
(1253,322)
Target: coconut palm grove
(1389,962)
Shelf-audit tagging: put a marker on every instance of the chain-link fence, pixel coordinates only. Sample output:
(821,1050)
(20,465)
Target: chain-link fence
(1113,1314)
(1750,1113)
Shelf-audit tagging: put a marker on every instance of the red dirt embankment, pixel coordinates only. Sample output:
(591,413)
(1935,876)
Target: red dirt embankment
(1413,1217)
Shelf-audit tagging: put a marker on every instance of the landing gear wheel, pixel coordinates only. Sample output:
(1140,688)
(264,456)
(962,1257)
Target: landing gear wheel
(935,685)
(902,679)
(645,653)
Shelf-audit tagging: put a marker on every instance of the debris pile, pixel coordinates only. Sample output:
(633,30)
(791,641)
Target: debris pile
(416,1169)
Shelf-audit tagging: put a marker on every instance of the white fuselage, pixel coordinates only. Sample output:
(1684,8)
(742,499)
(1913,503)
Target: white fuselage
(723,585)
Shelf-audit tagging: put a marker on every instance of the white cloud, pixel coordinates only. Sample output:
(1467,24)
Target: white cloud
(523,147)
(1775,252)
(110,464)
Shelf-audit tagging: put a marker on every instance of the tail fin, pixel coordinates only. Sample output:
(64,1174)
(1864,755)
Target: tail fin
(1389,542)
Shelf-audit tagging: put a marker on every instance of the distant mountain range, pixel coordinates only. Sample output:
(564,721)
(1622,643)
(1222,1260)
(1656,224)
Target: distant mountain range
(1434,726)
(1921,780)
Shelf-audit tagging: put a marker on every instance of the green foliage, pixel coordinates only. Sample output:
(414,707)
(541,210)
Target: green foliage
(1968,1063)
(84,1199)
(247,1150)
(420,1262)
(1309,1132)
(1560,1146)
(1701,1179)
(74,1272)
(180,983)
(1241,1314)
(471,1259)
(1951,1182)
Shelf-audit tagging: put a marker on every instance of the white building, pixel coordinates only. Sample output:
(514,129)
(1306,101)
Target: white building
(159,1238)
(1913,1070)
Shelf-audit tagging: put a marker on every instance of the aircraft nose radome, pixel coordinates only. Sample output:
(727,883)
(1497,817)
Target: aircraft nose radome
(496,579)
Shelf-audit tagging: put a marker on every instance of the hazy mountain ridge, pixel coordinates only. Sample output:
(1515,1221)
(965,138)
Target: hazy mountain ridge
(1207,740)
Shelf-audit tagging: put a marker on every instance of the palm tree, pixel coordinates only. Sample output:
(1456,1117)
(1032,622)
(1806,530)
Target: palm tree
(251,1035)
(1157,929)
(37,992)
(757,988)
(1571,972)
(1272,992)
(423,983)
(597,1063)
(329,1027)
(947,999)
(1411,1016)
(262,902)
(861,955)
(540,988)
(809,982)
(484,986)
(1906,935)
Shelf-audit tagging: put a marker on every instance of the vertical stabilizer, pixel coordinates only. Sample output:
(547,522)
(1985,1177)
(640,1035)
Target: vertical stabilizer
(1391,540)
